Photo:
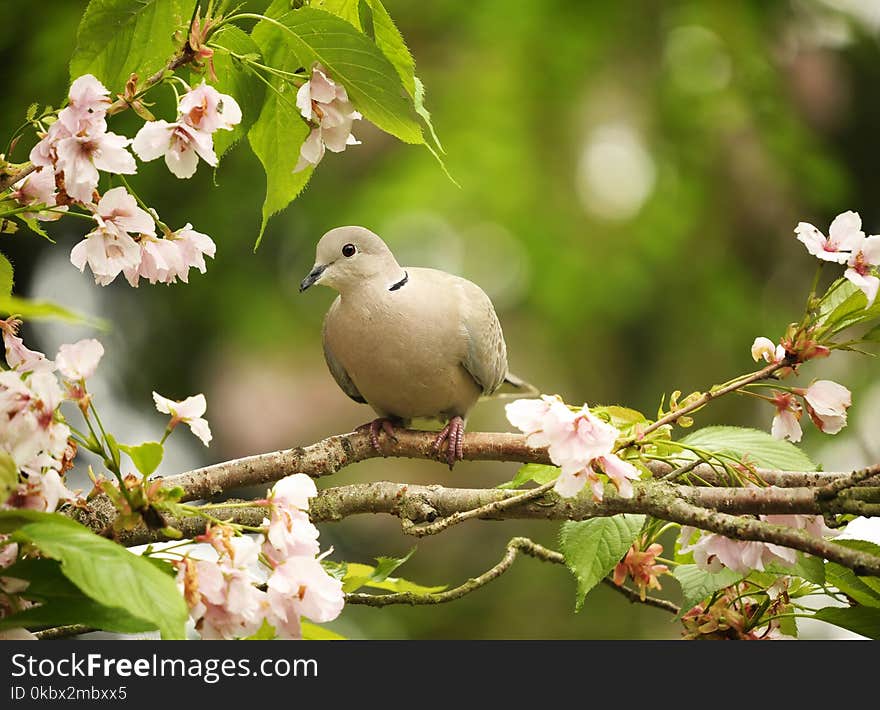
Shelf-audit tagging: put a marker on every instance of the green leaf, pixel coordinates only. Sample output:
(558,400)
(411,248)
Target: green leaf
(872,335)
(146,457)
(266,632)
(807,567)
(108,573)
(118,37)
(46,310)
(384,32)
(276,138)
(8,475)
(237,80)
(858,619)
(592,548)
(350,58)
(856,588)
(698,584)
(757,446)
(61,602)
(13,518)
(870,548)
(31,112)
(313,632)
(539,473)
(845,306)
(359,575)
(419,101)
(34,225)
(6,278)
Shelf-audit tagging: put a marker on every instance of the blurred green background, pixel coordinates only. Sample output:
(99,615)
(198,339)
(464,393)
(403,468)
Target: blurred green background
(631,173)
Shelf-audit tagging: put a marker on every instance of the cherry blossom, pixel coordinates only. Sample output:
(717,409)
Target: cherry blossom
(765,348)
(579,442)
(87,96)
(78,361)
(207,109)
(827,403)
(640,565)
(301,587)
(180,143)
(189,411)
(223,601)
(289,530)
(325,104)
(41,492)
(786,424)
(119,210)
(865,255)
(38,188)
(107,251)
(31,434)
(18,356)
(81,156)
(712,552)
(845,234)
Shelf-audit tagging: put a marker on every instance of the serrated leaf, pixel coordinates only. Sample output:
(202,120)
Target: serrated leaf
(870,548)
(845,306)
(698,584)
(856,588)
(31,112)
(118,37)
(313,632)
(107,572)
(46,310)
(858,619)
(6,277)
(539,473)
(146,457)
(8,475)
(592,548)
(360,575)
(421,109)
(351,58)
(386,565)
(34,225)
(756,446)
(276,138)
(61,602)
(235,79)
(807,567)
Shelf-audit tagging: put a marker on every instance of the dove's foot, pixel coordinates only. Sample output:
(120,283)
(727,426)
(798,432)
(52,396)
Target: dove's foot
(377,425)
(453,435)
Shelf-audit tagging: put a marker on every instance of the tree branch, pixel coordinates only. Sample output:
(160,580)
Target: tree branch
(517,544)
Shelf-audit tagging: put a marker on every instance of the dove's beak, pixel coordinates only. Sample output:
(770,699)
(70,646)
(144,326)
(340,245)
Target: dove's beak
(312,278)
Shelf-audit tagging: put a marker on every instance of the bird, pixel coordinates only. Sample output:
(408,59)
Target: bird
(411,342)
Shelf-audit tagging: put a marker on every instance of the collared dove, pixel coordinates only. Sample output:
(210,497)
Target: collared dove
(413,343)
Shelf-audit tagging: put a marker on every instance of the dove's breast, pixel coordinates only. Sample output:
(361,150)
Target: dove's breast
(404,349)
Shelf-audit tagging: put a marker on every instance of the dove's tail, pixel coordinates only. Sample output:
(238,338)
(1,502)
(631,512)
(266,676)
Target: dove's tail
(514,387)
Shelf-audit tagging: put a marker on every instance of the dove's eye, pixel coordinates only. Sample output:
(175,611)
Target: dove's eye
(348,250)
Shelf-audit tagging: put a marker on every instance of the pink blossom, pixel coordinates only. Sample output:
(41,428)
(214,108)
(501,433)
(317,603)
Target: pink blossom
(786,423)
(192,247)
(301,587)
(207,109)
(8,551)
(166,260)
(31,434)
(88,95)
(81,156)
(223,601)
(865,255)
(180,143)
(290,532)
(640,565)
(118,210)
(79,360)
(188,411)
(107,251)
(764,348)
(845,234)
(530,416)
(619,472)
(18,356)
(713,552)
(41,491)
(325,104)
(827,403)
(38,188)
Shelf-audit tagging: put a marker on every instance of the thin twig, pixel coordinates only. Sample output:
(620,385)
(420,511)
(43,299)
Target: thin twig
(483,511)
(635,598)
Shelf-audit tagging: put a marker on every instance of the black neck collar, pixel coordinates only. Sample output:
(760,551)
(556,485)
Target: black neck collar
(401,283)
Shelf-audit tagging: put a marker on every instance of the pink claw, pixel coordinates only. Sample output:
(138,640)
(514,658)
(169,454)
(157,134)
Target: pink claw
(453,435)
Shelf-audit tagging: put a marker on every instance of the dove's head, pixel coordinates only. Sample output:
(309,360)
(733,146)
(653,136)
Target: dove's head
(349,257)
